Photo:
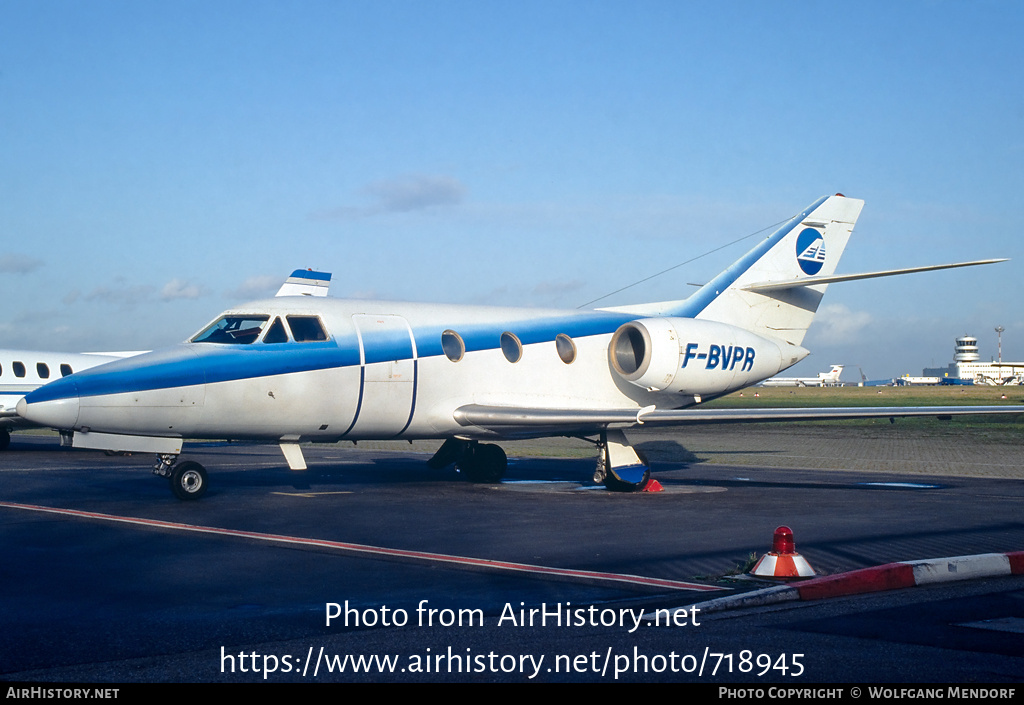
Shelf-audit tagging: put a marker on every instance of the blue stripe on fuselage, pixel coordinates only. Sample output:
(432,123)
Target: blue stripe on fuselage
(199,363)
(487,336)
(195,364)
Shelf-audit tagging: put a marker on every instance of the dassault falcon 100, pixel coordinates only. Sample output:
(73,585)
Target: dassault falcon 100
(294,369)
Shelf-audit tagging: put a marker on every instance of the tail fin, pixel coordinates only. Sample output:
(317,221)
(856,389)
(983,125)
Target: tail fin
(807,246)
(833,374)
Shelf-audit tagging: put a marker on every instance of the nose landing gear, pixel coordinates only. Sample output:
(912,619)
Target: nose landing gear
(188,479)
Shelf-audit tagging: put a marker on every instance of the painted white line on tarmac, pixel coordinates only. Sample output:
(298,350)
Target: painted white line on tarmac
(377,550)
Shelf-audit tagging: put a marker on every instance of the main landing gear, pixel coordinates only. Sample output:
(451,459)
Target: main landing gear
(620,467)
(188,479)
(5,438)
(478,462)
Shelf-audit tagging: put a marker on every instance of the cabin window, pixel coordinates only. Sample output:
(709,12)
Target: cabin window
(19,369)
(277,333)
(453,345)
(307,329)
(566,348)
(43,370)
(65,369)
(511,348)
(232,330)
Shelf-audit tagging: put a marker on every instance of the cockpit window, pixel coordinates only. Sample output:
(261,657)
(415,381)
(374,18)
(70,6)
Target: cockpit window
(276,333)
(306,329)
(233,330)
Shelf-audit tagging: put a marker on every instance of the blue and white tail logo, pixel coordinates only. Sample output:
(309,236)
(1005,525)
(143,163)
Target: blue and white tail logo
(810,251)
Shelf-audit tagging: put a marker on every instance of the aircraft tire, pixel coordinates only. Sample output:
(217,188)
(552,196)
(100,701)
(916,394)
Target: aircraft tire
(486,463)
(188,481)
(447,454)
(614,484)
(5,439)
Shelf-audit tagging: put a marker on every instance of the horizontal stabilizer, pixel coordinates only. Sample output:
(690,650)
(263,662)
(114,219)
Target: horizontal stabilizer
(514,421)
(811,281)
(306,282)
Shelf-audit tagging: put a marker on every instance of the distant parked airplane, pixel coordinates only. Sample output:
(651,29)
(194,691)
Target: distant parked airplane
(824,379)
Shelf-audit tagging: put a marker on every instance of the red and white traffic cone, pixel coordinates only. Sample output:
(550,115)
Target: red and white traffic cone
(783,561)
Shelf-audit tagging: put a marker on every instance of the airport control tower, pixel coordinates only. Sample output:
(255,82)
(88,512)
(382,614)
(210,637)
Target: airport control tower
(966,349)
(968,366)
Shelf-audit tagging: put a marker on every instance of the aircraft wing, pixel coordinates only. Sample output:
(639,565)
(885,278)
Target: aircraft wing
(520,420)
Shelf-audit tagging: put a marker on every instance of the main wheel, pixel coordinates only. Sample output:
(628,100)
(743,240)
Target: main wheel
(5,439)
(188,480)
(484,463)
(615,483)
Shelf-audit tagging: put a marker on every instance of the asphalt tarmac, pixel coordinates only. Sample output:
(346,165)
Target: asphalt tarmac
(372,563)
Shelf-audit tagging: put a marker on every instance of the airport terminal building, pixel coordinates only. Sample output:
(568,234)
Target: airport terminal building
(967,366)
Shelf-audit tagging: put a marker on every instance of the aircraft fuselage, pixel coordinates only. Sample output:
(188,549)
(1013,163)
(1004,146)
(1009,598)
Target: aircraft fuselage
(398,370)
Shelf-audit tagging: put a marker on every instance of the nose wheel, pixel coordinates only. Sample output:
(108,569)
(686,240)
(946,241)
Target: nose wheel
(188,479)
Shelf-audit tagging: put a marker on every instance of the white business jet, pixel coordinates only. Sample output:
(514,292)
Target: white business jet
(22,371)
(824,379)
(293,369)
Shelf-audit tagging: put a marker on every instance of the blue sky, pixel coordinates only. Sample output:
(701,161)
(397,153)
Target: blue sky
(161,161)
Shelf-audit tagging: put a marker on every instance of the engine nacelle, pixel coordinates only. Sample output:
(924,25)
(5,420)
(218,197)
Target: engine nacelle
(690,356)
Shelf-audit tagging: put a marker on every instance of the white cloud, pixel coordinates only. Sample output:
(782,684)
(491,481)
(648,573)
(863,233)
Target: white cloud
(835,324)
(403,194)
(181,289)
(18,264)
(120,294)
(257,287)
(409,193)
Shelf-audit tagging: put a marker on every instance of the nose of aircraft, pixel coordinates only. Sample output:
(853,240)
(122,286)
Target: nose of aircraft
(59,411)
(146,394)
